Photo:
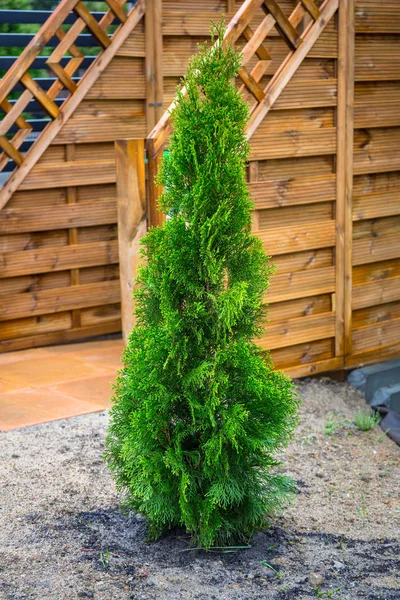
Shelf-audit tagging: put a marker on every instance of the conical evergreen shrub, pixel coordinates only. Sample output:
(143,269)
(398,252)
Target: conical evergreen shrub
(198,412)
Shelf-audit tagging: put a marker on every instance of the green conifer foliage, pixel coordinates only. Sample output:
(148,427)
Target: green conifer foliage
(198,412)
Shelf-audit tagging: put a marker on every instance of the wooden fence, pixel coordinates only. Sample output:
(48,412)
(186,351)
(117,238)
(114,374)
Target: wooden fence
(324,82)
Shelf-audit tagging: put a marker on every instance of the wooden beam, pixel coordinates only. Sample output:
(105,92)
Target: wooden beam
(154,157)
(153,61)
(344,178)
(86,83)
(131,203)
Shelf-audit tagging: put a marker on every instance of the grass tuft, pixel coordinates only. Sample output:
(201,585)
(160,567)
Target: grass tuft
(366,420)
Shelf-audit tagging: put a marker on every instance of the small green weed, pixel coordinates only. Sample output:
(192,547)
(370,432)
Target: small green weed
(336,422)
(382,435)
(362,510)
(105,558)
(265,564)
(366,420)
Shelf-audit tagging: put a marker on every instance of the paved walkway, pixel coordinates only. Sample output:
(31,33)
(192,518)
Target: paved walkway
(46,384)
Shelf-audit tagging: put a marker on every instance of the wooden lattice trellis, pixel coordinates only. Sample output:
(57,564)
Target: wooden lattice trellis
(300,31)
(73,78)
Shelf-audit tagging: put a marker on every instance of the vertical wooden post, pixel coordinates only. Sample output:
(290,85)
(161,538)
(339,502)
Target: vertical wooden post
(154,70)
(253,176)
(73,234)
(344,174)
(155,217)
(131,203)
(230,6)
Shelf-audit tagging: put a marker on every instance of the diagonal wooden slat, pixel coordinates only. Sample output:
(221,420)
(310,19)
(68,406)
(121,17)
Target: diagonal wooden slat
(40,95)
(311,8)
(11,151)
(63,76)
(251,84)
(17,141)
(257,73)
(283,25)
(253,46)
(257,38)
(13,113)
(117,10)
(92,25)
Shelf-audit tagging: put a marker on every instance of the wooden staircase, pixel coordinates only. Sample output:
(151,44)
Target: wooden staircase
(72,32)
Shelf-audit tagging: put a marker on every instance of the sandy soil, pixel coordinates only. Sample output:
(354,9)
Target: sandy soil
(62,535)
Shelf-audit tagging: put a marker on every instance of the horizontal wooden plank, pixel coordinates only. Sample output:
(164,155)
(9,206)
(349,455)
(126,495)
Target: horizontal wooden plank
(38,198)
(298,331)
(302,261)
(374,355)
(18,220)
(81,129)
(301,284)
(71,173)
(287,215)
(292,191)
(373,315)
(304,353)
(377,115)
(134,45)
(59,300)
(308,369)
(376,336)
(292,168)
(100,314)
(376,271)
(293,120)
(377,292)
(293,143)
(376,92)
(283,240)
(300,307)
(377,205)
(60,337)
(376,249)
(56,279)
(376,183)
(20,328)
(111,85)
(190,23)
(60,258)
(307,94)
(377,17)
(377,57)
(376,150)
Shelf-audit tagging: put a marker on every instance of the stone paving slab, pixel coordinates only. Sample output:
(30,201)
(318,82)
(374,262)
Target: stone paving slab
(56,382)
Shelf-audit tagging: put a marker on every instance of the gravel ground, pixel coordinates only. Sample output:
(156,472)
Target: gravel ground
(62,535)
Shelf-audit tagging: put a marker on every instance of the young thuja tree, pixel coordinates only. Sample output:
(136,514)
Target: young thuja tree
(199,413)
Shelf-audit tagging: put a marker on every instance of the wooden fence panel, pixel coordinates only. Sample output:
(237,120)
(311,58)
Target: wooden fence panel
(376,190)
(58,232)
